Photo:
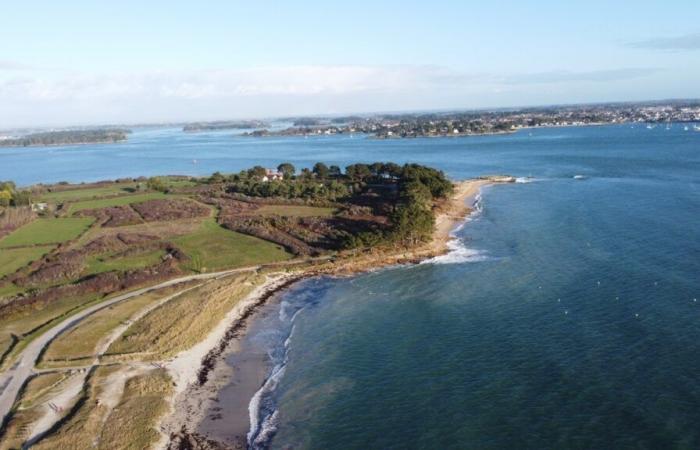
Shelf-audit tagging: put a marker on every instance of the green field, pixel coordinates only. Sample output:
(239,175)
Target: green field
(13,259)
(213,247)
(46,231)
(89,193)
(295,211)
(105,263)
(116,201)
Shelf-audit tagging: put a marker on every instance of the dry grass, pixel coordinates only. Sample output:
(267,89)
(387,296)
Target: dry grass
(78,345)
(29,322)
(130,425)
(295,211)
(84,424)
(184,321)
(163,230)
(29,409)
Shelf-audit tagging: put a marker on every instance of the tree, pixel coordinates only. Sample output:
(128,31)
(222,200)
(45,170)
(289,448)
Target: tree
(287,169)
(216,177)
(306,174)
(156,184)
(257,172)
(358,171)
(5,198)
(334,171)
(321,170)
(22,198)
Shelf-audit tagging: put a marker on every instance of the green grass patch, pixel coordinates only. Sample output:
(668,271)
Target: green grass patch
(73,195)
(295,211)
(105,263)
(9,289)
(13,259)
(116,201)
(47,231)
(213,247)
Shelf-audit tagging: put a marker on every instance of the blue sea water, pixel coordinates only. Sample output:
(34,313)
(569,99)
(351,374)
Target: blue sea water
(571,323)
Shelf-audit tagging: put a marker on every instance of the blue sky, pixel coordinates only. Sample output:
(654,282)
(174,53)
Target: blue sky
(98,62)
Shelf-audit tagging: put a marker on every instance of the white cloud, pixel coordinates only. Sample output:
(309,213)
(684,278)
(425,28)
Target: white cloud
(40,97)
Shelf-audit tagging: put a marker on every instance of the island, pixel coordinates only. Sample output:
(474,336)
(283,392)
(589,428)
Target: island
(119,298)
(67,137)
(224,125)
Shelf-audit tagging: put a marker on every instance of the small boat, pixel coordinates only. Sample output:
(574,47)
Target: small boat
(685,128)
(579,177)
(649,127)
(696,127)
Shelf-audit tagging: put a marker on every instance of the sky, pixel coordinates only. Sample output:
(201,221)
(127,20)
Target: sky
(98,62)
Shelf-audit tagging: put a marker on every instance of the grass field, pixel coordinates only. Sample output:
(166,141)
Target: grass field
(9,289)
(183,321)
(295,211)
(29,408)
(213,247)
(38,320)
(46,231)
(13,259)
(83,428)
(89,193)
(129,425)
(132,423)
(77,346)
(105,263)
(115,201)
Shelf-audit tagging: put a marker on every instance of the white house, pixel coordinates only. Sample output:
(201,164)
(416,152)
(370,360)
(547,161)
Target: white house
(272,175)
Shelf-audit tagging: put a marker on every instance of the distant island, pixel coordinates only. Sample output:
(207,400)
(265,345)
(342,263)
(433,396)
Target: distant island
(224,125)
(484,122)
(67,137)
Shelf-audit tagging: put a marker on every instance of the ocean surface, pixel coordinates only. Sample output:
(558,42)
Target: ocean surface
(565,317)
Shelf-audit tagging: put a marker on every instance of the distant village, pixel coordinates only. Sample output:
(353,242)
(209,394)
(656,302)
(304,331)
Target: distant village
(483,122)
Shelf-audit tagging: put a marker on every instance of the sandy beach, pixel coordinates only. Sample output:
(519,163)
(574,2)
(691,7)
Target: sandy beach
(195,408)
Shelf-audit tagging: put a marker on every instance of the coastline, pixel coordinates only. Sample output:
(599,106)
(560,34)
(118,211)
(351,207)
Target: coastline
(200,372)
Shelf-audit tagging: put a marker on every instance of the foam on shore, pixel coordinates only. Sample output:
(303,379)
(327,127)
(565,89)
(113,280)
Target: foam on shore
(458,252)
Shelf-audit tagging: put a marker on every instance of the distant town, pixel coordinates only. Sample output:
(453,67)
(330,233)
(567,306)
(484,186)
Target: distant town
(482,122)
(397,125)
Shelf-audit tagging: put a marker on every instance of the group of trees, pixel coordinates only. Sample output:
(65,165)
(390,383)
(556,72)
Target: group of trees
(10,196)
(412,218)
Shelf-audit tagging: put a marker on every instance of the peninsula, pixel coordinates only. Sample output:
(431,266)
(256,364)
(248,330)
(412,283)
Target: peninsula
(117,297)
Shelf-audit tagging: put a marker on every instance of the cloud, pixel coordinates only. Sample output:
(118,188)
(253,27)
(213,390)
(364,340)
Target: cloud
(13,65)
(563,76)
(678,43)
(56,97)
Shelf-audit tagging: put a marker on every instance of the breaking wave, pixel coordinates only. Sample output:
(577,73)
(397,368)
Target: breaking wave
(262,408)
(458,252)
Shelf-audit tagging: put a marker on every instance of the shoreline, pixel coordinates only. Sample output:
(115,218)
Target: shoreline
(200,372)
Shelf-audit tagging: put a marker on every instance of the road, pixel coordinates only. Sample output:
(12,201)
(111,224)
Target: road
(12,380)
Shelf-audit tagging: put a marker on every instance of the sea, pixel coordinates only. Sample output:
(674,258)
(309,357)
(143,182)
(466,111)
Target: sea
(565,316)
